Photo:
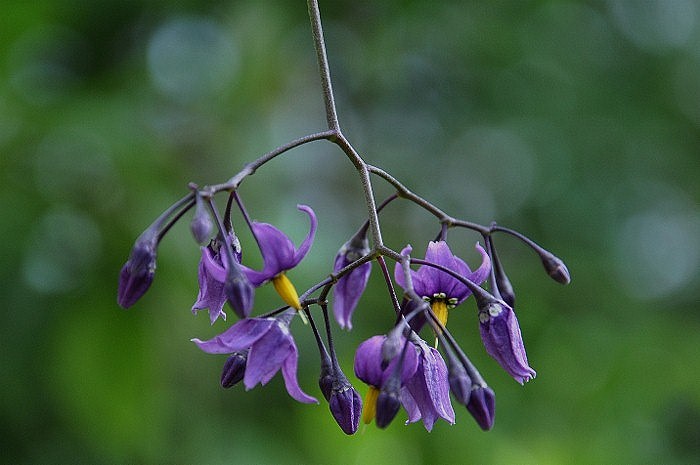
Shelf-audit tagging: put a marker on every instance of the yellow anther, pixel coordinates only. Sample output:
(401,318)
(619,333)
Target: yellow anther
(440,310)
(288,292)
(369,408)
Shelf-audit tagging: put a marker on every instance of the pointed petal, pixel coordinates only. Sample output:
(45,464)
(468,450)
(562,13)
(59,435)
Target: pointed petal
(306,244)
(347,293)
(289,373)
(240,336)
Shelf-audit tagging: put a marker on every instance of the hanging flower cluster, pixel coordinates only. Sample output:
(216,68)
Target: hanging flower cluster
(400,368)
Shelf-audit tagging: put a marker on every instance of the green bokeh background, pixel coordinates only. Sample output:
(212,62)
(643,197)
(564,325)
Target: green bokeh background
(577,123)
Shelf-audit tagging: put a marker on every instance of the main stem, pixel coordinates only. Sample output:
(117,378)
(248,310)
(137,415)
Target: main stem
(324,69)
(334,125)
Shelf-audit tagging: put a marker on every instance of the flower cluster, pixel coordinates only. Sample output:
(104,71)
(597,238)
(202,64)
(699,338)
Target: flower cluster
(399,367)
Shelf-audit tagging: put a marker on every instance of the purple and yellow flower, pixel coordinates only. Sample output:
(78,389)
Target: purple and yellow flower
(270,348)
(426,395)
(441,290)
(349,289)
(280,255)
(501,336)
(371,368)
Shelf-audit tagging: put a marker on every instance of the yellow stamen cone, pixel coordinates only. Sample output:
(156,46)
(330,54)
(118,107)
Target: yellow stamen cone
(369,408)
(439,307)
(288,292)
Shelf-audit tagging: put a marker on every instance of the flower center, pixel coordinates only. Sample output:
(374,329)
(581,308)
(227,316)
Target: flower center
(369,410)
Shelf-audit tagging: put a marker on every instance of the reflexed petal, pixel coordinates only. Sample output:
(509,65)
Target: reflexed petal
(213,264)
(277,250)
(368,361)
(429,389)
(399,275)
(289,373)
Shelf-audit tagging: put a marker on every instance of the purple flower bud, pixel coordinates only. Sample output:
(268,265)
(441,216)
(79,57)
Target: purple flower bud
(501,336)
(505,288)
(239,290)
(482,406)
(555,267)
(234,369)
(137,274)
(349,289)
(393,343)
(389,401)
(201,225)
(460,382)
(346,408)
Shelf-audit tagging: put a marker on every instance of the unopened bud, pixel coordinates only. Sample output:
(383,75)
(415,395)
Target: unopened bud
(201,225)
(388,402)
(137,273)
(239,291)
(346,407)
(234,369)
(555,268)
(460,382)
(482,406)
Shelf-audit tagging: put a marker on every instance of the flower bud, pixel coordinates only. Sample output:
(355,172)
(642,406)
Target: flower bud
(482,406)
(555,267)
(392,345)
(137,274)
(346,407)
(460,382)
(239,291)
(505,288)
(234,369)
(388,402)
(201,225)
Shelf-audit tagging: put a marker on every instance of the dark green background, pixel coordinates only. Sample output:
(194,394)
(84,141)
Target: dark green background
(576,123)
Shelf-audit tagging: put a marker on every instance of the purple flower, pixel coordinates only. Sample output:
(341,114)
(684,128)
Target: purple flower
(501,336)
(215,274)
(271,347)
(426,394)
(438,288)
(349,289)
(137,273)
(279,255)
(372,370)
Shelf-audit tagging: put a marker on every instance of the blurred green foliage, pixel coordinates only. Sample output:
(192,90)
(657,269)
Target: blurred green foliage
(577,123)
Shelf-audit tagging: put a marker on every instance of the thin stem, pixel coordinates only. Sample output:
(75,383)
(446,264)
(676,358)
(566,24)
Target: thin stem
(389,284)
(324,69)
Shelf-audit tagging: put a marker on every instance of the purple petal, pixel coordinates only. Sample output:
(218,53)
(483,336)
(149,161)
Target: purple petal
(429,388)
(213,264)
(306,244)
(267,355)
(346,408)
(289,373)
(410,405)
(211,294)
(399,275)
(368,361)
(500,333)
(461,291)
(347,293)
(240,336)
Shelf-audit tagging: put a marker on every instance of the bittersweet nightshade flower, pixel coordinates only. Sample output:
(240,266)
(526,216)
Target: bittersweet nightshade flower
(271,348)
(438,288)
(349,288)
(137,273)
(371,369)
(426,395)
(279,255)
(213,273)
(501,336)
(482,406)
